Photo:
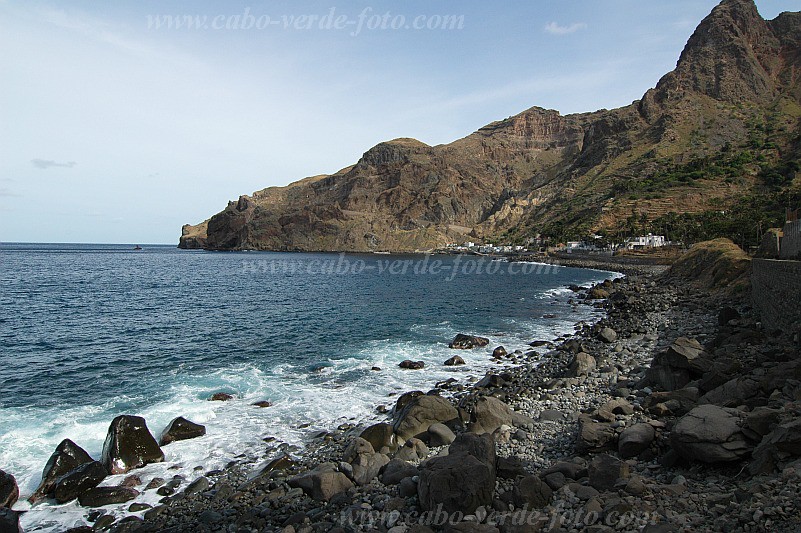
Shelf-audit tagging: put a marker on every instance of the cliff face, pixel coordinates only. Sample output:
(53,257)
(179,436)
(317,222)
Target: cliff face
(539,170)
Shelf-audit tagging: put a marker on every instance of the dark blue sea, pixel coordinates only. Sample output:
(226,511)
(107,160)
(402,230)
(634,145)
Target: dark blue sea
(88,332)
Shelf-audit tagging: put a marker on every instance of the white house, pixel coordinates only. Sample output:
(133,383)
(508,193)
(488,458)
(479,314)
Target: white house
(646,241)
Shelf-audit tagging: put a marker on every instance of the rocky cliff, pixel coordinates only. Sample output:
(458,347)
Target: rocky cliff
(700,139)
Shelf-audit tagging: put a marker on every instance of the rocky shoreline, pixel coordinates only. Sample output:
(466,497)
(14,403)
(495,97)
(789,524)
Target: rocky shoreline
(675,412)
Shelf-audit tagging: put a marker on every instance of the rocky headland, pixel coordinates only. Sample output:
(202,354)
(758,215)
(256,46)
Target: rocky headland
(677,411)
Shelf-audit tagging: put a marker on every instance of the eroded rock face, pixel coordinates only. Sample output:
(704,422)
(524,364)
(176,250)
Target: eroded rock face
(711,434)
(129,445)
(181,429)
(67,457)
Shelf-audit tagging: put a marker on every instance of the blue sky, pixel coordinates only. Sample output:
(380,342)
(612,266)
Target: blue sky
(114,130)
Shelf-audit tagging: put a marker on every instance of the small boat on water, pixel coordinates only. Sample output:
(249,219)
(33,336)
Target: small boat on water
(137,247)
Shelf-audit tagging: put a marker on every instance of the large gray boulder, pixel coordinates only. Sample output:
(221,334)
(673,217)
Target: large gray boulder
(322,483)
(381,436)
(9,491)
(604,471)
(420,412)
(461,481)
(366,463)
(181,429)
(594,436)
(635,440)
(67,457)
(532,492)
(682,362)
(129,445)
(581,365)
(489,414)
(440,435)
(397,470)
(711,434)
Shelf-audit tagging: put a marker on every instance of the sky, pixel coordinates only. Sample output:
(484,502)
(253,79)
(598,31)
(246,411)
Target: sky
(122,121)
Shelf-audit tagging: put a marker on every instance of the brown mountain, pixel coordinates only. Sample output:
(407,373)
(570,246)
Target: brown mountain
(703,139)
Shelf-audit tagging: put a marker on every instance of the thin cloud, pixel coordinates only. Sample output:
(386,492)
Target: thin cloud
(44,164)
(6,193)
(555,29)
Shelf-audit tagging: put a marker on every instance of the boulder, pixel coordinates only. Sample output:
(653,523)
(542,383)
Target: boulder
(220,397)
(467,342)
(366,463)
(510,467)
(322,483)
(9,491)
(129,445)
(181,429)
(735,392)
(381,436)
(594,436)
(780,446)
(597,293)
(9,520)
(686,353)
(710,434)
(461,481)
(262,403)
(635,440)
(420,412)
(581,365)
(454,361)
(396,470)
(412,450)
(489,414)
(440,435)
(499,352)
(67,457)
(604,471)
(404,399)
(607,335)
(100,496)
(491,380)
(79,480)
(532,492)
(408,364)
(679,402)
(618,406)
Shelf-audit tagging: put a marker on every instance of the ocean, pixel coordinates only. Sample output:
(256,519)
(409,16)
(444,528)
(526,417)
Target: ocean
(89,332)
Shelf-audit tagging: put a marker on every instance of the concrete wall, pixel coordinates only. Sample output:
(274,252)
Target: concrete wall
(791,242)
(776,293)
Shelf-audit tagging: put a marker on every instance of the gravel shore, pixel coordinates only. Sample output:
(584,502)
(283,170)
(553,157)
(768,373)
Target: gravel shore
(598,431)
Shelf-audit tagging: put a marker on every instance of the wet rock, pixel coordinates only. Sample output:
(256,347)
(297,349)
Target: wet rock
(181,429)
(489,414)
(467,342)
(100,496)
(322,483)
(440,435)
(635,440)
(9,521)
(710,434)
(129,445)
(263,403)
(381,436)
(220,397)
(201,484)
(499,352)
(604,471)
(9,491)
(412,365)
(533,492)
(422,411)
(581,365)
(454,361)
(79,480)
(64,459)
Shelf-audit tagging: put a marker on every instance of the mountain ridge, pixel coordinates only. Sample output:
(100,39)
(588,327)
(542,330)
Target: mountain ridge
(559,175)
